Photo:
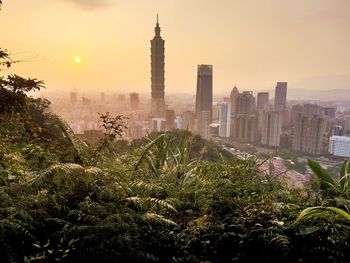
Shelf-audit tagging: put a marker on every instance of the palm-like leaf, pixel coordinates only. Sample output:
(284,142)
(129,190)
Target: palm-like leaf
(344,181)
(325,179)
(321,211)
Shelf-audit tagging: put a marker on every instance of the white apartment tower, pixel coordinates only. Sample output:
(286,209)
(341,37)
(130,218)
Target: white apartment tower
(225,119)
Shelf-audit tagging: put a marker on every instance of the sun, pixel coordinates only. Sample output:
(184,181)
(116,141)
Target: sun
(77,59)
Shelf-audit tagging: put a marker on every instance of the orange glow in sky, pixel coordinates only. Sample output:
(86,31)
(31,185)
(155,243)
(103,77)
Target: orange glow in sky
(251,43)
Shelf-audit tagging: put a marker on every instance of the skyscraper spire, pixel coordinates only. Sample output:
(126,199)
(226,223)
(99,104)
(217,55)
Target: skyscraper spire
(157,28)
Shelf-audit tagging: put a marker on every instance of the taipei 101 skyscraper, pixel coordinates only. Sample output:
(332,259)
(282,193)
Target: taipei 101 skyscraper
(157,72)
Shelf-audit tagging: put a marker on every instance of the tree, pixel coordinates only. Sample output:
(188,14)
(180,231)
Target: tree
(114,127)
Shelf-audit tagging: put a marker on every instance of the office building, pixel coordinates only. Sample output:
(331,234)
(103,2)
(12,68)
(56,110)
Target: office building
(263,100)
(225,119)
(157,74)
(234,100)
(339,146)
(280,96)
(204,94)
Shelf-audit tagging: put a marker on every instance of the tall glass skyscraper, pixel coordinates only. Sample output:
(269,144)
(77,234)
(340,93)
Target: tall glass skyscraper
(157,72)
(204,94)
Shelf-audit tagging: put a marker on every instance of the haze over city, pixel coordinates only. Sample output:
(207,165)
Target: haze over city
(252,44)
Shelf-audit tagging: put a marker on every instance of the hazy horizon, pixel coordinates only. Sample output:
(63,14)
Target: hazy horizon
(252,44)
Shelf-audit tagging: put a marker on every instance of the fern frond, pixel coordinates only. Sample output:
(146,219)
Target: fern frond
(146,186)
(149,201)
(281,242)
(161,203)
(159,219)
(77,144)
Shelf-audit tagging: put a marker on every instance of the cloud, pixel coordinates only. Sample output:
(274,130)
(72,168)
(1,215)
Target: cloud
(91,4)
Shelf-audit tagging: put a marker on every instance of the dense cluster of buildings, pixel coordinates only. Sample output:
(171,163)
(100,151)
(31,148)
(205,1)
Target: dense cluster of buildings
(241,116)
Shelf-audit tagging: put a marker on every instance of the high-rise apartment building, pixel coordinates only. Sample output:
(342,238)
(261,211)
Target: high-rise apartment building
(157,72)
(188,118)
(300,131)
(204,94)
(280,96)
(309,128)
(158,124)
(234,100)
(271,128)
(251,134)
(245,103)
(134,101)
(244,128)
(295,111)
(315,135)
(225,119)
(263,100)
(169,120)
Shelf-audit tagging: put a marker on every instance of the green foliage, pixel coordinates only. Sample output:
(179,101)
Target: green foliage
(114,127)
(321,211)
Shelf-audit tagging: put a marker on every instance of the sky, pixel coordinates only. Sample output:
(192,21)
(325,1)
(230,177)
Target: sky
(250,43)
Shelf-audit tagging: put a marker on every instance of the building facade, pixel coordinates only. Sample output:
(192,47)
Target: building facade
(262,100)
(188,121)
(308,134)
(234,100)
(225,120)
(204,121)
(134,101)
(204,94)
(339,146)
(271,128)
(280,96)
(245,103)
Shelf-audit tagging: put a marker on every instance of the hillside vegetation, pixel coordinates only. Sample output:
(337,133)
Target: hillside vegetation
(171,197)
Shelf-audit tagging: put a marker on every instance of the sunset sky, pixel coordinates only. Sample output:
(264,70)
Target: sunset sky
(251,43)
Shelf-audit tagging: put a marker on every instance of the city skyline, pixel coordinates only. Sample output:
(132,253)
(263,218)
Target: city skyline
(247,42)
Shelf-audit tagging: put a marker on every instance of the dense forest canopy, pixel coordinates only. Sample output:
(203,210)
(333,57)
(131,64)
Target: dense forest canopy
(171,197)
